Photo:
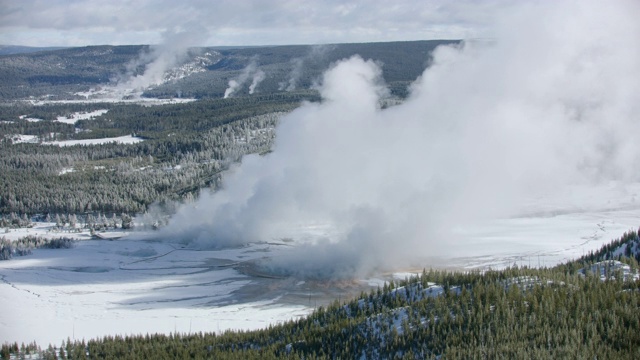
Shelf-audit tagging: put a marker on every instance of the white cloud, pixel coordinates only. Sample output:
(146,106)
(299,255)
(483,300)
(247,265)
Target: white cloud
(83,22)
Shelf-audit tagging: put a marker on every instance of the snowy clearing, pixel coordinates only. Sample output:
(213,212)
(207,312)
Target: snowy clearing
(73,118)
(105,287)
(127,139)
(66,171)
(29,119)
(550,230)
(113,99)
(19,139)
(132,286)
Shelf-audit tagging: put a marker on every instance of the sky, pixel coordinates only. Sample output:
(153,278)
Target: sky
(240,22)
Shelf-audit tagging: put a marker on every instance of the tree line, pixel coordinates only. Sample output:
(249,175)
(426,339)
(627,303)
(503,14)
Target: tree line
(184,151)
(512,313)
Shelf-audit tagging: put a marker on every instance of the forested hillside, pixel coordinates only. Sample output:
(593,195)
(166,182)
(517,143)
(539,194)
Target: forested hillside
(171,151)
(567,311)
(62,73)
(15,49)
(184,147)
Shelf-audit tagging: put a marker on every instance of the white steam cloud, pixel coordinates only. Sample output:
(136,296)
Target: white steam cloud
(316,53)
(258,76)
(251,71)
(294,75)
(161,58)
(552,100)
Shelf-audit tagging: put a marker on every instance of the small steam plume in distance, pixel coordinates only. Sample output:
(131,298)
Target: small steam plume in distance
(251,71)
(294,75)
(258,76)
(316,53)
(552,101)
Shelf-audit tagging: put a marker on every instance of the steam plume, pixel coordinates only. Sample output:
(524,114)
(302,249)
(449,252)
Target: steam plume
(258,76)
(552,100)
(161,58)
(316,54)
(294,75)
(250,71)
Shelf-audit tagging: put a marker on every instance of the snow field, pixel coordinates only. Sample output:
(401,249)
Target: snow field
(127,139)
(73,118)
(103,287)
(133,286)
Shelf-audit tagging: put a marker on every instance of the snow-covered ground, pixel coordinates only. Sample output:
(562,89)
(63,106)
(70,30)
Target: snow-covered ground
(66,171)
(19,138)
(102,287)
(71,119)
(127,139)
(551,229)
(610,269)
(127,285)
(108,98)
(24,117)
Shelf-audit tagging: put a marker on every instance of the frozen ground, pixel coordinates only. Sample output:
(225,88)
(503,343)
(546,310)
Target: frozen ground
(127,139)
(552,229)
(18,138)
(73,118)
(128,286)
(113,98)
(122,286)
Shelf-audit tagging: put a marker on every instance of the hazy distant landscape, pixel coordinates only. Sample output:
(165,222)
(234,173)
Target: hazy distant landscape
(475,196)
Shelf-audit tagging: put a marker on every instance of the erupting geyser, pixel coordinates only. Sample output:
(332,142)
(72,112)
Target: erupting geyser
(551,101)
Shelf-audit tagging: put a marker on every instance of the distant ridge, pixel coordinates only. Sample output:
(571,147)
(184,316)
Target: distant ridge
(202,72)
(17,49)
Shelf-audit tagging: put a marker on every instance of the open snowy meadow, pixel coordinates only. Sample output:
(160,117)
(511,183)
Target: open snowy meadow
(134,284)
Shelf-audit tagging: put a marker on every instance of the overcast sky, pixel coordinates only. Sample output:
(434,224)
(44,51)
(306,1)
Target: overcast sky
(240,22)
